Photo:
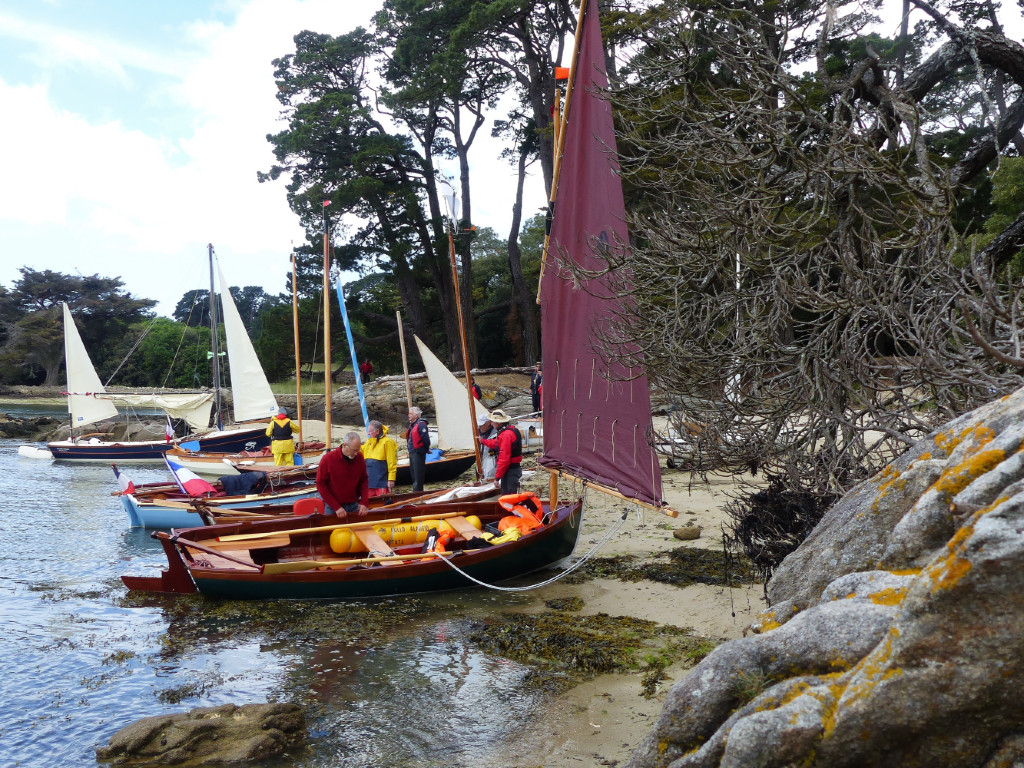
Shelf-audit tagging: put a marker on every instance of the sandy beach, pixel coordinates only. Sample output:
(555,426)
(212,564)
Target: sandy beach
(600,722)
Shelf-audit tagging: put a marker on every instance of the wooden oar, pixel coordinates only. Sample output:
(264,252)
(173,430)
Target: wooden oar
(322,528)
(417,500)
(305,565)
(201,548)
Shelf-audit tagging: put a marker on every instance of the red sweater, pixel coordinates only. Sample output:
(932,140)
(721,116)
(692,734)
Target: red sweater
(342,480)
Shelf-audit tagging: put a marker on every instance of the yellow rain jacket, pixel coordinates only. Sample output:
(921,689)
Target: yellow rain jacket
(281,443)
(381,454)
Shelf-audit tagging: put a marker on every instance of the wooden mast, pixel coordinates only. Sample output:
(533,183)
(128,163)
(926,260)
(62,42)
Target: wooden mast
(295,326)
(327,334)
(214,341)
(560,136)
(405,362)
(465,354)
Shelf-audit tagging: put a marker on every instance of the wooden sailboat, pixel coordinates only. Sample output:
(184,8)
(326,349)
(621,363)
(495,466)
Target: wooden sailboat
(252,400)
(89,402)
(597,422)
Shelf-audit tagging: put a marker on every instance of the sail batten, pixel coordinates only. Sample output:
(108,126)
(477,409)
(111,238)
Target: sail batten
(251,394)
(590,215)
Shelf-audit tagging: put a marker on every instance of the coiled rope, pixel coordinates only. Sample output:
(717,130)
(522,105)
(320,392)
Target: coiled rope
(612,531)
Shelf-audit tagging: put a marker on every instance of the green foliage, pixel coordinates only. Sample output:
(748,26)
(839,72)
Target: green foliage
(171,355)
(31,318)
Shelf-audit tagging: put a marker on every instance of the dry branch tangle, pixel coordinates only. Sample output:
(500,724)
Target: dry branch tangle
(894,637)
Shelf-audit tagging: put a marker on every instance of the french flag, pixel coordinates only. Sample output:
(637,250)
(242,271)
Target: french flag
(189,482)
(126,485)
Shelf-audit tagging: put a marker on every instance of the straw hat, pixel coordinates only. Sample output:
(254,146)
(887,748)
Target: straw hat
(498,416)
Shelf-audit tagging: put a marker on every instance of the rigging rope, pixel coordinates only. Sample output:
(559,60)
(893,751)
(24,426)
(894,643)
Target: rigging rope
(604,540)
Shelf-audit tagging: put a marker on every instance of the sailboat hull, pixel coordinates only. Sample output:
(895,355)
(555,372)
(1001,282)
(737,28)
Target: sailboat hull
(448,467)
(154,450)
(537,550)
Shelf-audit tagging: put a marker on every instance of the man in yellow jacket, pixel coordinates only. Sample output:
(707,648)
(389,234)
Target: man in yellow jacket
(281,443)
(381,454)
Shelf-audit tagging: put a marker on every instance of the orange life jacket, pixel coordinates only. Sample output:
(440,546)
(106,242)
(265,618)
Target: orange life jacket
(527,509)
(521,524)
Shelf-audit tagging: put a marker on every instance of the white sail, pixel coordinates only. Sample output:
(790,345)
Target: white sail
(83,381)
(193,408)
(455,427)
(250,390)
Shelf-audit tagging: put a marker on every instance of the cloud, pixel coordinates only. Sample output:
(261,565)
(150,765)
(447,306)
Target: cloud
(142,191)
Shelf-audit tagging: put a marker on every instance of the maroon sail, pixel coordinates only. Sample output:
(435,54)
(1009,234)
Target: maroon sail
(597,419)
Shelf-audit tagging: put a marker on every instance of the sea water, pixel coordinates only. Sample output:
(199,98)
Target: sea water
(392,682)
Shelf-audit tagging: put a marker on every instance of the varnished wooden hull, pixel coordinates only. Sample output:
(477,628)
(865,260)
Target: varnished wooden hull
(215,578)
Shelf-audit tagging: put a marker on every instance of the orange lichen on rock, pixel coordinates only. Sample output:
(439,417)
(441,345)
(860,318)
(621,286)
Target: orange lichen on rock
(891,596)
(981,434)
(861,680)
(887,479)
(955,479)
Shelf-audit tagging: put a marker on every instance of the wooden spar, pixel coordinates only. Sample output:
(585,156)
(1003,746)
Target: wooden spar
(556,473)
(298,368)
(560,136)
(306,565)
(465,356)
(214,344)
(337,526)
(327,336)
(405,362)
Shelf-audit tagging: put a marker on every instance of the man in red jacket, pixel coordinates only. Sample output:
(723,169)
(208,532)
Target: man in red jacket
(341,478)
(509,443)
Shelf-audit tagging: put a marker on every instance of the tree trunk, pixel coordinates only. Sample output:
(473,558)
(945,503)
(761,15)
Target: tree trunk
(524,296)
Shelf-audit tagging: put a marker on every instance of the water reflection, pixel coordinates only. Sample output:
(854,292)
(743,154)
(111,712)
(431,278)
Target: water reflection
(391,681)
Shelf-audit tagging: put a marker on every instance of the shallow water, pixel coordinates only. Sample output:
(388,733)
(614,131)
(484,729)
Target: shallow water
(395,682)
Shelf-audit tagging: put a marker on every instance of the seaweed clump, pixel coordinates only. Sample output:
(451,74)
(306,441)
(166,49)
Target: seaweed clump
(684,566)
(768,524)
(564,651)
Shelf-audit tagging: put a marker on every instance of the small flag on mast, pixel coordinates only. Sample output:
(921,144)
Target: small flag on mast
(169,429)
(189,482)
(326,203)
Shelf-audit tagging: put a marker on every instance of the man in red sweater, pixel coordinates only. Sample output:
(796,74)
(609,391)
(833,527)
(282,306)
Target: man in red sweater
(342,480)
(509,444)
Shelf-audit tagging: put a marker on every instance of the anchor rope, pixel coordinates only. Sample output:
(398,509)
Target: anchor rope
(612,531)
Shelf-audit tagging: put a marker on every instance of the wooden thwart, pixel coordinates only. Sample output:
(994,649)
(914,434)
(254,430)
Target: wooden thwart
(463,527)
(372,541)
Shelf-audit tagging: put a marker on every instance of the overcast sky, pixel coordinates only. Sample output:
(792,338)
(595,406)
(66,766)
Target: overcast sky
(132,132)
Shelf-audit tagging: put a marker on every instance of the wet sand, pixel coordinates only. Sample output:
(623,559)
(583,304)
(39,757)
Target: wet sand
(600,722)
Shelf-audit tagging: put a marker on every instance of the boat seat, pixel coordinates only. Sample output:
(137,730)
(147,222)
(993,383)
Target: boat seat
(374,544)
(463,527)
(308,507)
(234,547)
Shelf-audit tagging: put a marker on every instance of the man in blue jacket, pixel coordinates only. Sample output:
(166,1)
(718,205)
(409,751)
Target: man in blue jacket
(418,443)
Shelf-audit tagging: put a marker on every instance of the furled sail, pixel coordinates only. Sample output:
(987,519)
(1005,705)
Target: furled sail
(597,419)
(455,428)
(83,382)
(250,391)
(193,408)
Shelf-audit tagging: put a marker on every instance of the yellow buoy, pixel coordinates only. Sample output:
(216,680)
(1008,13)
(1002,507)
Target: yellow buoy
(400,534)
(343,540)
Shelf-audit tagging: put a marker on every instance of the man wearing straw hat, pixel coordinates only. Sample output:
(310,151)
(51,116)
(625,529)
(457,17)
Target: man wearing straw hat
(509,444)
